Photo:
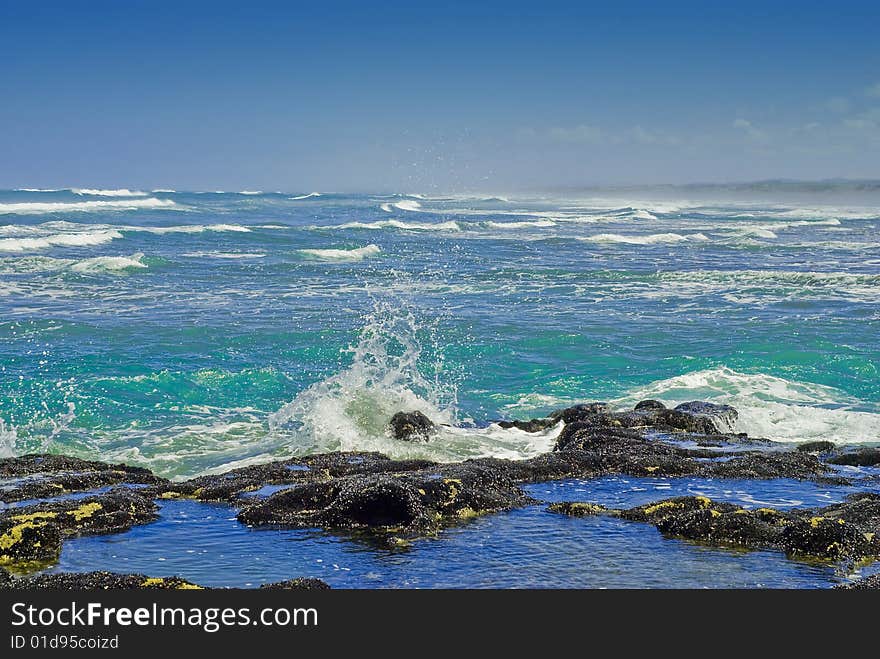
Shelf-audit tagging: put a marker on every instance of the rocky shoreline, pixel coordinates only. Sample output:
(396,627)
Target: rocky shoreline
(391,503)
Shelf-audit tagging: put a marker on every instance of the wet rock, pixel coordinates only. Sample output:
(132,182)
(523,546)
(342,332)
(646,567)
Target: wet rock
(230,485)
(410,426)
(33,533)
(532,425)
(644,405)
(26,540)
(722,416)
(576,508)
(865,457)
(847,530)
(776,464)
(100,581)
(40,476)
(5,579)
(819,446)
(301,583)
(595,413)
(408,502)
(872,583)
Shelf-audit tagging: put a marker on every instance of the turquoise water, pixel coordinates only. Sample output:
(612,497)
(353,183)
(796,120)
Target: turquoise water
(192,332)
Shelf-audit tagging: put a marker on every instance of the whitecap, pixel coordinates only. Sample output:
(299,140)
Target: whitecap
(356,254)
(30,208)
(650,239)
(122,192)
(305,196)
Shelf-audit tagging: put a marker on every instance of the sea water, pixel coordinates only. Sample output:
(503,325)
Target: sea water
(194,332)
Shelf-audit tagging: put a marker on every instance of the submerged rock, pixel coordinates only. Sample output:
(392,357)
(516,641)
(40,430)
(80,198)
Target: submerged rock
(301,583)
(409,426)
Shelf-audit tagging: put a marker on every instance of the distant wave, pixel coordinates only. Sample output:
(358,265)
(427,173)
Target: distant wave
(396,224)
(408,205)
(250,192)
(305,196)
(386,208)
(38,189)
(122,192)
(188,228)
(109,264)
(224,255)
(77,239)
(523,224)
(651,239)
(164,191)
(342,254)
(32,208)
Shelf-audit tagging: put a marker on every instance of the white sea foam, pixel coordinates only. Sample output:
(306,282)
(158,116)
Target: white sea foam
(396,224)
(250,192)
(122,192)
(305,196)
(357,254)
(772,407)
(408,205)
(38,189)
(188,228)
(100,264)
(77,239)
(31,208)
(349,411)
(650,239)
(386,207)
(521,225)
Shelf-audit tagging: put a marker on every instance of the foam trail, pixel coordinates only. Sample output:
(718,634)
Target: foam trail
(772,407)
(224,255)
(408,205)
(357,254)
(396,224)
(30,208)
(651,239)
(305,196)
(122,192)
(520,225)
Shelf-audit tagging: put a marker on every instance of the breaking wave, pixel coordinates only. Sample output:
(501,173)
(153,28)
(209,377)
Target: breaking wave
(356,254)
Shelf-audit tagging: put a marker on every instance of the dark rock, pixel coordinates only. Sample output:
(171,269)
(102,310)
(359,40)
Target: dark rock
(100,581)
(864,457)
(410,426)
(33,533)
(409,502)
(872,583)
(533,425)
(820,446)
(300,583)
(41,476)
(776,464)
(722,416)
(847,530)
(27,539)
(598,413)
(230,485)
(5,579)
(576,508)
(649,405)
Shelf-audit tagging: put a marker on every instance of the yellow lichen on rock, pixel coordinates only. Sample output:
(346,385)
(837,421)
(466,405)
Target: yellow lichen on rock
(85,511)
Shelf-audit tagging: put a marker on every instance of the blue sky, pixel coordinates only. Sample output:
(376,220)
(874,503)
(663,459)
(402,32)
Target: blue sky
(494,96)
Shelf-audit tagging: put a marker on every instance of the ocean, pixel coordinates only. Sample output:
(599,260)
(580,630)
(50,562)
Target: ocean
(192,333)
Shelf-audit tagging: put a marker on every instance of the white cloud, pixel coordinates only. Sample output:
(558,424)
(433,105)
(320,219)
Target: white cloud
(749,129)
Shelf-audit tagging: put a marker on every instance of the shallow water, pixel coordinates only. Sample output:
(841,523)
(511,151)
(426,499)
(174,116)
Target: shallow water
(526,548)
